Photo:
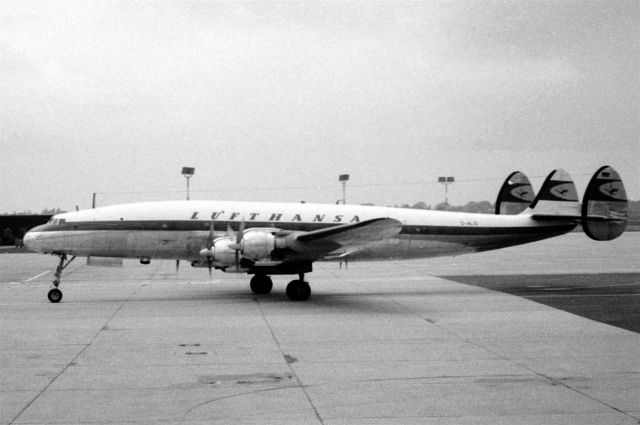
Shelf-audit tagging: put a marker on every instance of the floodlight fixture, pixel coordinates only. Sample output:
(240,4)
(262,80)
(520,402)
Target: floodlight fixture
(343,178)
(446,180)
(188,173)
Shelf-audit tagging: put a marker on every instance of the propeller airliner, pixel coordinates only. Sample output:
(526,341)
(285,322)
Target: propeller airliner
(265,239)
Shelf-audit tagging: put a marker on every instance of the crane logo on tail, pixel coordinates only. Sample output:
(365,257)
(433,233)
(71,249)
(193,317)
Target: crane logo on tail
(564,192)
(521,193)
(612,190)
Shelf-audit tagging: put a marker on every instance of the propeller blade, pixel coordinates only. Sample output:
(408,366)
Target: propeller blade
(177,265)
(239,237)
(210,239)
(211,236)
(241,231)
(231,234)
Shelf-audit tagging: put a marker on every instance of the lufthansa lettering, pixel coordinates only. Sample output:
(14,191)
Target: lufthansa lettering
(317,218)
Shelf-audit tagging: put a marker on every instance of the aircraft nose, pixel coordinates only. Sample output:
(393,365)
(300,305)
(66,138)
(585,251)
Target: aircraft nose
(30,239)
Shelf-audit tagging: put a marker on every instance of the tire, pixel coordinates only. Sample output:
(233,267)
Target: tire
(261,284)
(298,290)
(55,295)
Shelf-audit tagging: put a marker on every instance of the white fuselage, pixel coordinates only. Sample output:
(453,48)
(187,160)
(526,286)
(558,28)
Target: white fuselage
(180,229)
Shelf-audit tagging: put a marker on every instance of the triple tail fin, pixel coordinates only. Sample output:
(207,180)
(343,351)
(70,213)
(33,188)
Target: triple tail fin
(604,206)
(603,214)
(558,198)
(515,195)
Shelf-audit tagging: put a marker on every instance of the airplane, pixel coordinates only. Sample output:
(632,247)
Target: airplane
(264,238)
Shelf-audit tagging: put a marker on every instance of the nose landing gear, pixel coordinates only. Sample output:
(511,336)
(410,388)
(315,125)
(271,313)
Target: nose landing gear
(55,295)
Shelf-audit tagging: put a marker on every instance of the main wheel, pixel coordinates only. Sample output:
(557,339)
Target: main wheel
(298,290)
(54,295)
(261,284)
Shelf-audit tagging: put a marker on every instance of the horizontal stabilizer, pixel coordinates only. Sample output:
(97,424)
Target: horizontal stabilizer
(515,195)
(576,218)
(604,206)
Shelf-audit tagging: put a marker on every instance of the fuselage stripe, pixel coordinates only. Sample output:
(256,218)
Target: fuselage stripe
(222,225)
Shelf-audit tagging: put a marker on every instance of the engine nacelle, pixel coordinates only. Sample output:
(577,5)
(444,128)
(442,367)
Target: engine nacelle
(257,244)
(223,255)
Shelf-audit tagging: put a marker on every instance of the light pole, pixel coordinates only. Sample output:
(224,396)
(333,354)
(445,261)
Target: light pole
(446,181)
(344,178)
(188,173)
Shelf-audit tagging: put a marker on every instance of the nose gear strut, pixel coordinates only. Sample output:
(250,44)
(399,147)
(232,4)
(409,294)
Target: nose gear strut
(55,295)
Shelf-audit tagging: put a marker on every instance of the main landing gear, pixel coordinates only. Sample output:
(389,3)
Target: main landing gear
(55,295)
(261,284)
(297,290)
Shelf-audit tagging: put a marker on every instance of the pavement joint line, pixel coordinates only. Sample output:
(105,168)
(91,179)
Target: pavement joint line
(73,360)
(289,363)
(555,381)
(560,382)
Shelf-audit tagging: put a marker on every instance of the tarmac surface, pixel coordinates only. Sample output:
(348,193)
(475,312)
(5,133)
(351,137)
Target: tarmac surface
(379,343)
(610,298)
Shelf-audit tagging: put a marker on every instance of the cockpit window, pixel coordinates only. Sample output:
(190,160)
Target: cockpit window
(61,221)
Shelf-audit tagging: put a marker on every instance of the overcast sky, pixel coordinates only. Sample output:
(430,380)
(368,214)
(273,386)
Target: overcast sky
(272,101)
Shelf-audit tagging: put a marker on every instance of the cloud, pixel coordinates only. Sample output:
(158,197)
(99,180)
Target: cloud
(384,89)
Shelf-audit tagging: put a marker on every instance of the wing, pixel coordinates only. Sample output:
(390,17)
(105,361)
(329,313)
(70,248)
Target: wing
(349,237)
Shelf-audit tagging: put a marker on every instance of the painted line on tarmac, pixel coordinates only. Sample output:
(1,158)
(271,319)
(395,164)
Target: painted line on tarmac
(37,276)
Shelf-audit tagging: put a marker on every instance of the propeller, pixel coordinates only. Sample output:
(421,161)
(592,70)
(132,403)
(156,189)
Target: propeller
(237,246)
(210,246)
(177,265)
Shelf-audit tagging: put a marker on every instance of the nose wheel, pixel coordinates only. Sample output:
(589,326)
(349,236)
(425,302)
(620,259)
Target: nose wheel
(55,295)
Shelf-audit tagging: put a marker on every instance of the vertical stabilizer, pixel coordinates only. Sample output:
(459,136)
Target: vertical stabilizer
(558,196)
(604,206)
(515,195)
